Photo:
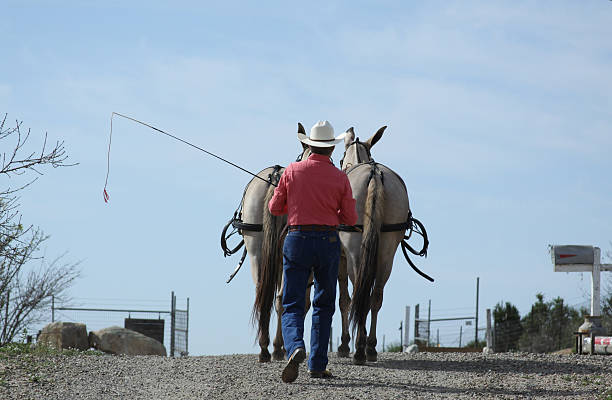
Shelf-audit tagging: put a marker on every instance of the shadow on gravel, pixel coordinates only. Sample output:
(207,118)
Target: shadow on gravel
(352,383)
(493,365)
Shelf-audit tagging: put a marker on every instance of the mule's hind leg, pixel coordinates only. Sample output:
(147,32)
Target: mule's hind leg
(359,358)
(264,337)
(375,305)
(385,263)
(344,303)
(279,350)
(263,334)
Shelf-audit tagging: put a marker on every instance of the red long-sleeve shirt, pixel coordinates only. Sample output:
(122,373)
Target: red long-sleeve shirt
(314,192)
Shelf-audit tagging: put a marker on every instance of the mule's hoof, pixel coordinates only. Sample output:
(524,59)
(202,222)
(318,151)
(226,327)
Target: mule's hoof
(359,358)
(278,355)
(344,351)
(359,361)
(264,356)
(372,355)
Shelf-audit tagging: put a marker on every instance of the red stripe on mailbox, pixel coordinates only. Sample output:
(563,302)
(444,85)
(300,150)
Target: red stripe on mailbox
(566,255)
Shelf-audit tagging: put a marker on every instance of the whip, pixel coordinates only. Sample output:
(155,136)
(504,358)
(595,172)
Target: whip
(105,193)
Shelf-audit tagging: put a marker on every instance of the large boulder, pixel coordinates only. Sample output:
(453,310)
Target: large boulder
(64,335)
(117,340)
(413,348)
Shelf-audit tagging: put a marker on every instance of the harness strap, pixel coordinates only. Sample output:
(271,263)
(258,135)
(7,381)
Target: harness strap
(244,253)
(350,228)
(224,236)
(395,227)
(243,226)
(402,226)
(236,221)
(414,267)
(359,161)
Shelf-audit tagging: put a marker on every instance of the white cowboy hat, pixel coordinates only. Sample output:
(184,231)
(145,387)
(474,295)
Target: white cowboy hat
(321,135)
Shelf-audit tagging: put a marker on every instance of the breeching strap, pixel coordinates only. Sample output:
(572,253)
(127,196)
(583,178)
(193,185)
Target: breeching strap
(236,223)
(244,253)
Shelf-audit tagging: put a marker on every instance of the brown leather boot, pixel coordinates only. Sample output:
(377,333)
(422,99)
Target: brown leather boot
(290,373)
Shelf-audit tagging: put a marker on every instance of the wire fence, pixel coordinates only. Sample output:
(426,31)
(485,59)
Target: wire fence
(548,336)
(445,328)
(153,318)
(454,327)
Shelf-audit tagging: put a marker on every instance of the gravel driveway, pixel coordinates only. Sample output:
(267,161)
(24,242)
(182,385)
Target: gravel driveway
(394,376)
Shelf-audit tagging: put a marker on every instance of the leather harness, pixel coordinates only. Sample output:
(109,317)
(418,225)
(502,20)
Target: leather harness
(411,223)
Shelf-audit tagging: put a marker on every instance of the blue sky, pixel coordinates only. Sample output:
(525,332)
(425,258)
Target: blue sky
(499,122)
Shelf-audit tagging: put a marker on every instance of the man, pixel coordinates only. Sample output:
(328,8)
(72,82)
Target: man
(317,197)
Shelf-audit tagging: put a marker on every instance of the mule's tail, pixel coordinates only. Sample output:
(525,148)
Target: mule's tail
(270,265)
(366,271)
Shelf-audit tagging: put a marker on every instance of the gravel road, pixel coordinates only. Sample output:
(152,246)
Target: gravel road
(394,376)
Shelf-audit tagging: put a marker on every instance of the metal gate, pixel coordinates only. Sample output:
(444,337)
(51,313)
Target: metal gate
(179,331)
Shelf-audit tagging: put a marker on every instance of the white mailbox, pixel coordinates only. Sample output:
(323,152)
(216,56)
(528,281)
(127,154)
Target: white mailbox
(563,255)
(573,258)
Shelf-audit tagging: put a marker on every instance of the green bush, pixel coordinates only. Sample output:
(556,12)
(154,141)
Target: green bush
(508,328)
(480,343)
(16,349)
(394,347)
(549,326)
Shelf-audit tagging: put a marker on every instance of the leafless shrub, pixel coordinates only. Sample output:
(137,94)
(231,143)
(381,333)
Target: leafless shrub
(24,288)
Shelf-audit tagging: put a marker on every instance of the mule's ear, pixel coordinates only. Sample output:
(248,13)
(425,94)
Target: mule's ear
(349,137)
(376,137)
(302,131)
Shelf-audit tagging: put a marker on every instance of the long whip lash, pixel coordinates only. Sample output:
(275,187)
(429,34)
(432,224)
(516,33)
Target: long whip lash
(105,193)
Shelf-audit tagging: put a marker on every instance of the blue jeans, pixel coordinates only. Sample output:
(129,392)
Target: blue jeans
(303,252)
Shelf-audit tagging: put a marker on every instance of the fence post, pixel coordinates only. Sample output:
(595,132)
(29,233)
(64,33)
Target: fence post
(187,329)
(489,336)
(52,308)
(476,327)
(428,322)
(407,328)
(416,324)
(172,322)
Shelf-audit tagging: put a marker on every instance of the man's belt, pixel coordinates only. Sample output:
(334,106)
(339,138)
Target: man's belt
(313,228)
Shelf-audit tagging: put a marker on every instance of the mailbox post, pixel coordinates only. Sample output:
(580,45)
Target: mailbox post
(584,259)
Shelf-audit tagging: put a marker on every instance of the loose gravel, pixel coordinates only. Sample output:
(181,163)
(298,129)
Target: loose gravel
(394,376)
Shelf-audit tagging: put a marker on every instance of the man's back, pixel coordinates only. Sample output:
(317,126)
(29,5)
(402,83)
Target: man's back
(314,192)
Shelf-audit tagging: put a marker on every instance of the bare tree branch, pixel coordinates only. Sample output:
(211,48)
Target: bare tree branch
(24,290)
(14,162)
